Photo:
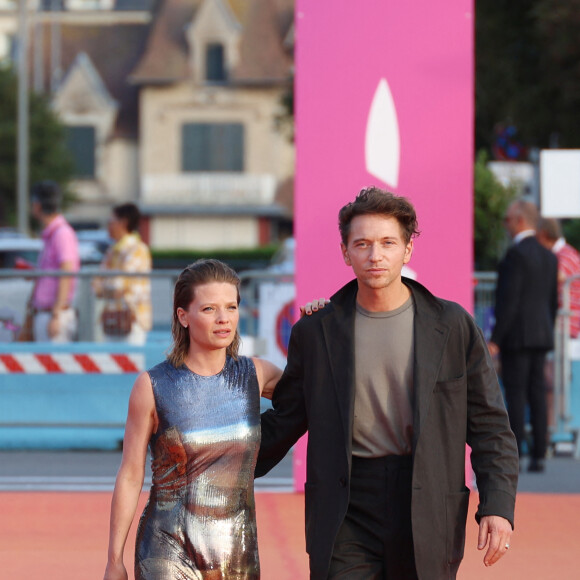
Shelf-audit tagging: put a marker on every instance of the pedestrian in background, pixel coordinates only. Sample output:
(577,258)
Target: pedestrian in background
(126,315)
(526,304)
(549,234)
(51,305)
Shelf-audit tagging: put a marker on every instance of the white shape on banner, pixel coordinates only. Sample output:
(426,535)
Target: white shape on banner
(560,182)
(383,143)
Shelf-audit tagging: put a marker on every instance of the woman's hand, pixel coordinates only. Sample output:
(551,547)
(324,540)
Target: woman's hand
(313,306)
(115,571)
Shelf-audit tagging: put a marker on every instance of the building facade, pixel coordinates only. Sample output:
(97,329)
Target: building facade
(173,104)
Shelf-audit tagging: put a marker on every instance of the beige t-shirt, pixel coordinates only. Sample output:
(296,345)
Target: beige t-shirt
(383,407)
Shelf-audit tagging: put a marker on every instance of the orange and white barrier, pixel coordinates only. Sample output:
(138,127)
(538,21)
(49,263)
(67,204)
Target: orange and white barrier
(71,363)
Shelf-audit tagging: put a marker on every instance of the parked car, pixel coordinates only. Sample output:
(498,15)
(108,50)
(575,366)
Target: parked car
(93,243)
(20,253)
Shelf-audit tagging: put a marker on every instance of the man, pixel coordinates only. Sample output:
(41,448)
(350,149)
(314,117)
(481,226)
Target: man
(526,303)
(549,234)
(391,383)
(52,298)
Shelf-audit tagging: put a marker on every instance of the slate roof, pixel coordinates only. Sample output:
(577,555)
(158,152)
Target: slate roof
(265,59)
(127,56)
(114,51)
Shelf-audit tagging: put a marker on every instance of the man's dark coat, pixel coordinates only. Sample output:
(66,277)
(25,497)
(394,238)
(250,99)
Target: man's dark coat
(457,400)
(526,299)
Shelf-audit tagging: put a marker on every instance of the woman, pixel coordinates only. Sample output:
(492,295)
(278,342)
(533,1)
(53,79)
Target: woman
(126,315)
(199,412)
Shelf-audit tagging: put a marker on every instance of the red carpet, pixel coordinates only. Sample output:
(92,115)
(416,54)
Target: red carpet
(63,536)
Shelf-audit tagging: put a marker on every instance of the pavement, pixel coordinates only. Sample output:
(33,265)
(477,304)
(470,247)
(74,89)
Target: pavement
(96,471)
(93,471)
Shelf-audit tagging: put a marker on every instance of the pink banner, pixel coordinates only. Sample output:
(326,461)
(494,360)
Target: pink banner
(384,96)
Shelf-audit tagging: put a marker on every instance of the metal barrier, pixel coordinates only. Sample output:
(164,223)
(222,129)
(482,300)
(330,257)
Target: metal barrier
(86,303)
(45,385)
(75,395)
(567,374)
(564,409)
(484,300)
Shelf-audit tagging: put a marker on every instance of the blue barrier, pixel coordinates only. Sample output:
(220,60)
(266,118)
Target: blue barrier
(61,405)
(574,408)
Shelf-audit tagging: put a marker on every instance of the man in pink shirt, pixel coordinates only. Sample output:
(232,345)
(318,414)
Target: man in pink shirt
(549,234)
(52,299)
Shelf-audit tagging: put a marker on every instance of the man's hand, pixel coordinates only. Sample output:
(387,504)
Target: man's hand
(493,349)
(495,532)
(54,325)
(313,306)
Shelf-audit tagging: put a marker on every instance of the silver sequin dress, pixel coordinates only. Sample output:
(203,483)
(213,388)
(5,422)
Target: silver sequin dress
(200,521)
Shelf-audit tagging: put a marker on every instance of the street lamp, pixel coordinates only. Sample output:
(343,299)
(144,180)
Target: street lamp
(22,154)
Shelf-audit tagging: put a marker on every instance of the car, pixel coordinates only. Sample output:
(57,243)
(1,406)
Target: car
(17,252)
(93,243)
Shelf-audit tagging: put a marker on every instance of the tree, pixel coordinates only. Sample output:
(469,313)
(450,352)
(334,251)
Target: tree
(284,120)
(571,230)
(491,201)
(49,156)
(557,24)
(527,71)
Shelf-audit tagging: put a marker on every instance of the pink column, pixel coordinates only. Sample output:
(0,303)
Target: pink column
(384,96)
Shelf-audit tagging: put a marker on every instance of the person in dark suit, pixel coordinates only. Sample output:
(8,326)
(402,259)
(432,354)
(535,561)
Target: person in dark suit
(391,383)
(526,303)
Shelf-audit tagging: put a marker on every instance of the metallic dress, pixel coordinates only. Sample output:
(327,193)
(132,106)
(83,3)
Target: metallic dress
(200,520)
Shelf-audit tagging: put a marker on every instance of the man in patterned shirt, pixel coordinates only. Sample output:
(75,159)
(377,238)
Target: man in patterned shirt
(549,234)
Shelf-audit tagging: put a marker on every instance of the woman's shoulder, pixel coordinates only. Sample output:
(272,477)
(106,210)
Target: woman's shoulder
(241,363)
(164,368)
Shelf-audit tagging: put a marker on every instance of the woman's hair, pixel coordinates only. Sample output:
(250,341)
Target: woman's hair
(129,212)
(200,272)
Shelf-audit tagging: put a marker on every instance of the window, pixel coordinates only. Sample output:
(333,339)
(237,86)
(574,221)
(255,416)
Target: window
(212,147)
(81,143)
(214,62)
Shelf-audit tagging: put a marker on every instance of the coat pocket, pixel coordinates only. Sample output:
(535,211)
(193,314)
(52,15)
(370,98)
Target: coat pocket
(456,505)
(454,384)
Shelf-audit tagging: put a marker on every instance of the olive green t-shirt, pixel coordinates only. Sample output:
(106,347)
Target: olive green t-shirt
(383,408)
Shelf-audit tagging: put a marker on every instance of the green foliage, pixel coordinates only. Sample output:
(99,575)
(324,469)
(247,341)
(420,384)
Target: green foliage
(506,67)
(239,259)
(527,71)
(491,201)
(49,157)
(284,121)
(557,24)
(571,229)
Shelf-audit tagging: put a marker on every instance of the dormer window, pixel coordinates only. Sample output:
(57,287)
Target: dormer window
(81,141)
(215,70)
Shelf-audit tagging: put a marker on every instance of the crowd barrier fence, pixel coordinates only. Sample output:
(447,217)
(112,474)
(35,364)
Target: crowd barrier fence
(75,395)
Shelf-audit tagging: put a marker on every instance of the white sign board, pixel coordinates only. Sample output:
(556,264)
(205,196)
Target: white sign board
(560,182)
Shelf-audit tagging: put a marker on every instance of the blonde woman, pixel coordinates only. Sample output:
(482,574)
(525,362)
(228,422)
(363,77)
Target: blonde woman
(199,413)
